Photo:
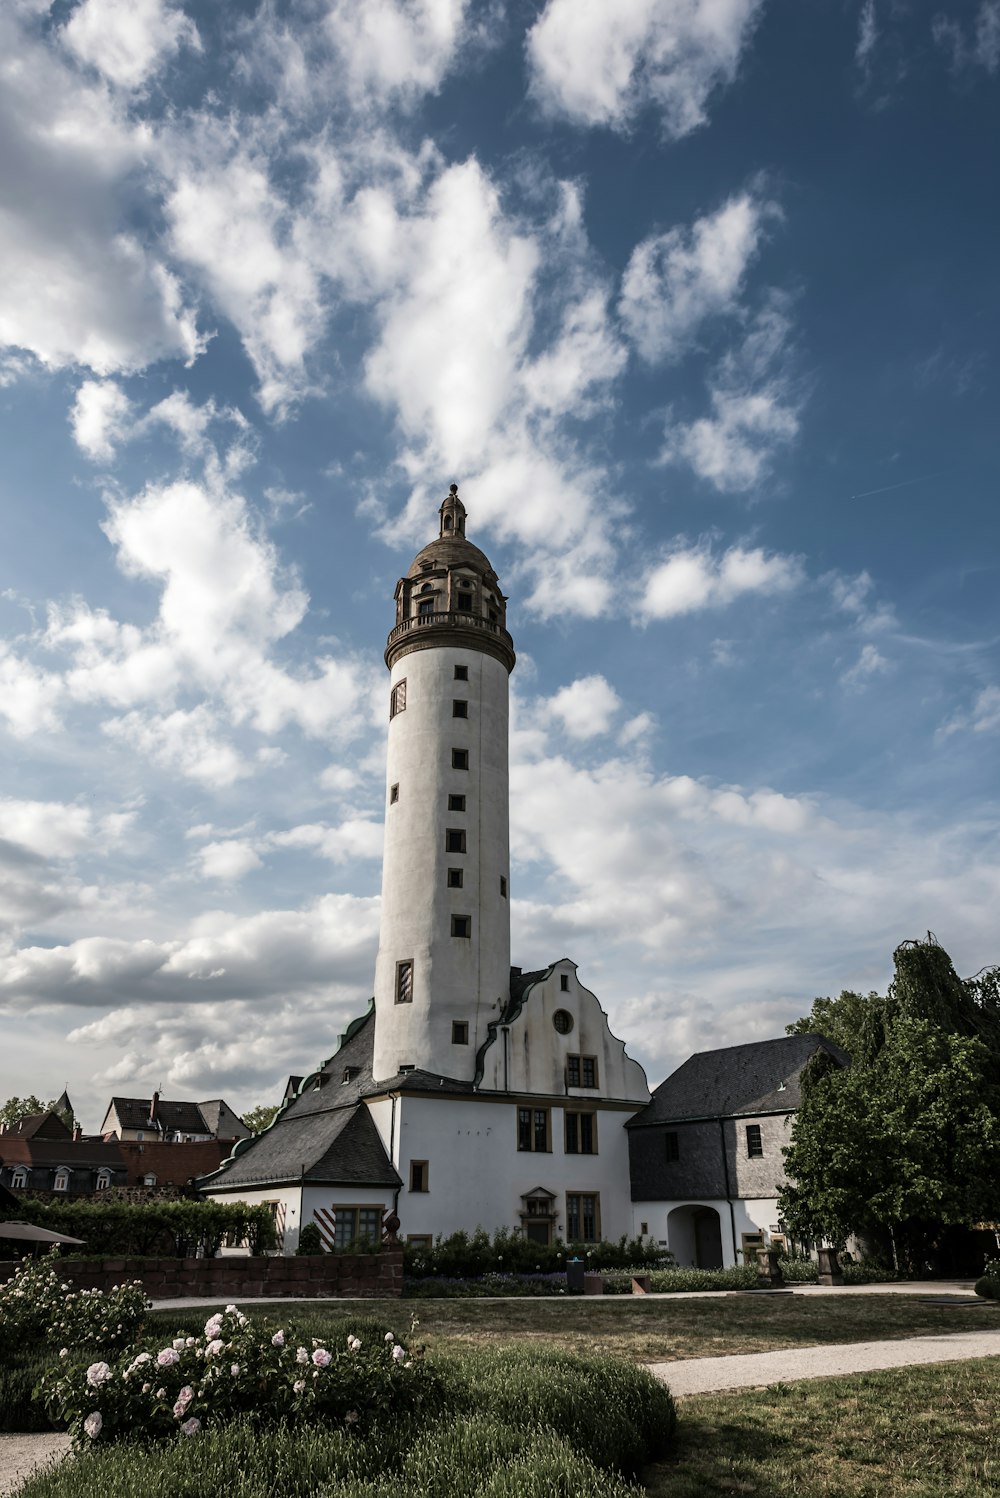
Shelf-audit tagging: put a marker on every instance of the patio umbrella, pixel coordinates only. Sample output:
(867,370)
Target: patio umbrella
(26,1232)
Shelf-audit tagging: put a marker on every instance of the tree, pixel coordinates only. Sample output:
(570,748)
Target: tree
(906,1140)
(16,1108)
(840,1020)
(257,1119)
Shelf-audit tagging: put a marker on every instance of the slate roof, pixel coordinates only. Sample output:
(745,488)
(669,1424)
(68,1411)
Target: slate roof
(325,1133)
(90,1153)
(46,1125)
(763,1077)
(133,1113)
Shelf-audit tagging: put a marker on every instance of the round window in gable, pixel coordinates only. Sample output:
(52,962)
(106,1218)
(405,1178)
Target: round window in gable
(563,1021)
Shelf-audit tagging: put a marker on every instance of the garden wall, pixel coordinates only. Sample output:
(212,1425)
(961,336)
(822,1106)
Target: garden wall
(367,1275)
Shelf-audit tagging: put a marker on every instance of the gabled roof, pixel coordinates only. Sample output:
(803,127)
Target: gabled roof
(47,1125)
(337,1147)
(79,1154)
(184,1117)
(762,1077)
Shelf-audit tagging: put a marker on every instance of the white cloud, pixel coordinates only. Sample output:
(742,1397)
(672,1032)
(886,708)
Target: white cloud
(185,741)
(28,695)
(754,410)
(691,579)
(79,285)
(127,40)
(228,861)
(869,664)
(983,717)
(394,47)
(981,50)
(675,281)
(57,829)
(100,418)
(867,35)
(354,838)
(586,708)
(600,62)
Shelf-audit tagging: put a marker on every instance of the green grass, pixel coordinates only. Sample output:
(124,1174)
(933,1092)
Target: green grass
(904,1433)
(645,1331)
(20,1371)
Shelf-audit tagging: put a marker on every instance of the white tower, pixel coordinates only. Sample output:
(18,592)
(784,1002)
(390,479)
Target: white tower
(443,967)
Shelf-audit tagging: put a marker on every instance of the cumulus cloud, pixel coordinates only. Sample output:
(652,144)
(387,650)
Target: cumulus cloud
(867,36)
(675,281)
(100,418)
(601,62)
(228,861)
(586,708)
(978,49)
(395,48)
(185,741)
(29,695)
(754,410)
(693,578)
(127,40)
(79,286)
(356,837)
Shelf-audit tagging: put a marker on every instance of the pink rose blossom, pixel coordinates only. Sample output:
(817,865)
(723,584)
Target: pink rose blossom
(234,1370)
(191,1427)
(97,1374)
(322,1358)
(92,1425)
(398,1353)
(278,1340)
(298,1387)
(302,1356)
(167,1357)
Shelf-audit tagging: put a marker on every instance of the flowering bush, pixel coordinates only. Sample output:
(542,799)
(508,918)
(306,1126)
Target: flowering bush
(229,1370)
(37,1303)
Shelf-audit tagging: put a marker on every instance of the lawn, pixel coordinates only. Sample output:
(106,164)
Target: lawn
(905,1433)
(646,1331)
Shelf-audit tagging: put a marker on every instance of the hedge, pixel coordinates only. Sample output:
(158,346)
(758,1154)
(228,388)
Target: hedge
(117,1229)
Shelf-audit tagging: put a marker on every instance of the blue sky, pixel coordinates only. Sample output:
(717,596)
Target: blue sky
(695,299)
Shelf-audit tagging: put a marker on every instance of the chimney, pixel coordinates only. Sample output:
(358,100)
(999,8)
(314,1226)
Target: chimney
(152,1107)
(77,1133)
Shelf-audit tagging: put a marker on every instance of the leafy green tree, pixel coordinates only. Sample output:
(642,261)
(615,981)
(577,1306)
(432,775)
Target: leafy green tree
(906,1140)
(258,1118)
(840,1020)
(16,1108)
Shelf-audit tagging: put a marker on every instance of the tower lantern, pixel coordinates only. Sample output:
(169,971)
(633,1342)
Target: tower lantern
(443,967)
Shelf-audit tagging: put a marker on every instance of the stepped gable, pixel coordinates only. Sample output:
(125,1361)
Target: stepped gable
(762,1077)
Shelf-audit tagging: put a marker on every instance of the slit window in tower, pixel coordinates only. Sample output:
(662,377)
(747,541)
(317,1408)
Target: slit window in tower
(533,1130)
(394,794)
(397,698)
(460,1032)
(503,886)
(454,840)
(404,982)
(460,759)
(564,982)
(454,878)
(419,1175)
(456,803)
(461,925)
(461,673)
(459,708)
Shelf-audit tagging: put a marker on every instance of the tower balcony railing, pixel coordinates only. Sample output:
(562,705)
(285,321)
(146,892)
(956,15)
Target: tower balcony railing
(453,619)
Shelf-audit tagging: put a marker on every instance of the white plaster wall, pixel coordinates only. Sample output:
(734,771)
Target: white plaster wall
(301,1202)
(477,1175)
(749,1216)
(532,1056)
(291,1196)
(453,978)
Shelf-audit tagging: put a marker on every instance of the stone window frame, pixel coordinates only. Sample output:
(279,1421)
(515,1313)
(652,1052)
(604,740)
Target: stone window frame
(459,759)
(460,1032)
(575,1216)
(461,927)
(755,1142)
(578,1068)
(460,707)
(420,1176)
(404,981)
(455,878)
(574,1134)
(397,699)
(533,1125)
(455,840)
(456,801)
(461,673)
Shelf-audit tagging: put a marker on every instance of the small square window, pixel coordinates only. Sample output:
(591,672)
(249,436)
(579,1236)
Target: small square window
(397,698)
(461,925)
(755,1144)
(419,1175)
(460,1032)
(456,803)
(459,708)
(393,794)
(671,1147)
(454,878)
(454,840)
(461,673)
(460,759)
(503,886)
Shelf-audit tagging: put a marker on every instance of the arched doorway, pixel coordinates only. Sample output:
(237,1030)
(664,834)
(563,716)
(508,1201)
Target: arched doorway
(694,1236)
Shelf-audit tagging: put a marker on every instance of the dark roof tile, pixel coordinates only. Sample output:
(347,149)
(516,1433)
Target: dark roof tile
(762,1077)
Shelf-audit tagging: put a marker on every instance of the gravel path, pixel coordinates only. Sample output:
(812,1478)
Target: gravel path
(752,1370)
(21,1455)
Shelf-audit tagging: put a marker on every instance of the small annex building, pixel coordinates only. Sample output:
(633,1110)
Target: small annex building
(174,1121)
(705,1154)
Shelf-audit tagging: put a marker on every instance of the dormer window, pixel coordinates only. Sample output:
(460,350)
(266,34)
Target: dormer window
(61,1182)
(149,1179)
(19,1178)
(350,1072)
(103,1180)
